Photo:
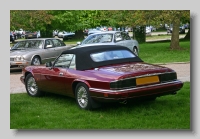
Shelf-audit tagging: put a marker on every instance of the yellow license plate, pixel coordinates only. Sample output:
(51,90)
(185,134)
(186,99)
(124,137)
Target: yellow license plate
(147,80)
(30,35)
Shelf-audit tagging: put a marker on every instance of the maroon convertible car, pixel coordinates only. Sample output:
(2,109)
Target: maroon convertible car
(97,74)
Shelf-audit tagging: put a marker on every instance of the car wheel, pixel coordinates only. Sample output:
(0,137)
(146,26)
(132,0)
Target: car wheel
(82,96)
(36,61)
(31,86)
(135,51)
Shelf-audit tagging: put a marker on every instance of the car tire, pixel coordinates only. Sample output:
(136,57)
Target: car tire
(83,98)
(35,61)
(31,86)
(135,51)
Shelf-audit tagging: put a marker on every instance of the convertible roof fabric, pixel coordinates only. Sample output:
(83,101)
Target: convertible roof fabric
(85,62)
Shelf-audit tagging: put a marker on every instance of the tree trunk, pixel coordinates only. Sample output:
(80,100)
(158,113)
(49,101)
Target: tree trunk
(133,33)
(187,36)
(140,34)
(79,34)
(174,45)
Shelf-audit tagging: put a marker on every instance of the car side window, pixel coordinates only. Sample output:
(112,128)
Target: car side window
(91,39)
(105,38)
(73,63)
(48,42)
(58,43)
(21,44)
(118,37)
(64,61)
(125,36)
(62,43)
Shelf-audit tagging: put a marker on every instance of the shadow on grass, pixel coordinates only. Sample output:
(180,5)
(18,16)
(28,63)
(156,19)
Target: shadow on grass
(164,41)
(163,102)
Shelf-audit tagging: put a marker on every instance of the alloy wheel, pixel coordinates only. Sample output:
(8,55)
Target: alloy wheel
(82,97)
(32,86)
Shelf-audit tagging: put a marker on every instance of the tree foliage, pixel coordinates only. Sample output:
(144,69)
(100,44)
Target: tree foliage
(78,20)
(30,19)
(175,17)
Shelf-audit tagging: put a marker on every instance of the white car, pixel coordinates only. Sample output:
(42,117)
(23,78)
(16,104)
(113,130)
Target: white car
(148,30)
(94,30)
(65,35)
(111,38)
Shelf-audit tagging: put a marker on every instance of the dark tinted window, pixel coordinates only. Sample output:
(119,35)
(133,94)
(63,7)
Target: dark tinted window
(125,36)
(58,43)
(48,42)
(35,44)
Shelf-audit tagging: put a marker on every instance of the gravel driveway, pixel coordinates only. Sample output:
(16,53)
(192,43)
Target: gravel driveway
(182,69)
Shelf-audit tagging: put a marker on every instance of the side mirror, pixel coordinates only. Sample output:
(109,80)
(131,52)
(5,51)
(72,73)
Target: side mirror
(78,43)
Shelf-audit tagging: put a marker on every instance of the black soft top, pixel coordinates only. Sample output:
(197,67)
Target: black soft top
(85,62)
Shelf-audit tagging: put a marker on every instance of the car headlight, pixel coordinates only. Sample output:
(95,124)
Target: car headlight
(19,58)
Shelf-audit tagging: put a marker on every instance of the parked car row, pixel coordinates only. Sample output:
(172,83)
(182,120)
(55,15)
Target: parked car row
(32,34)
(14,35)
(101,29)
(181,30)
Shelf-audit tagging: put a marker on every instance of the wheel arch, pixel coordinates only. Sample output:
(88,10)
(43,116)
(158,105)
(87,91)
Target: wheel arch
(27,73)
(75,82)
(36,56)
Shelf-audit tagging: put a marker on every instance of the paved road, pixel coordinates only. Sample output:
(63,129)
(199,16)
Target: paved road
(182,69)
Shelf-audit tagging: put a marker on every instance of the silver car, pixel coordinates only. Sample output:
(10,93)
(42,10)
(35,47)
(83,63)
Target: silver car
(111,37)
(36,51)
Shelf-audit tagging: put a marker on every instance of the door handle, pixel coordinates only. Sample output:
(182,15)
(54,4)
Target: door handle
(61,74)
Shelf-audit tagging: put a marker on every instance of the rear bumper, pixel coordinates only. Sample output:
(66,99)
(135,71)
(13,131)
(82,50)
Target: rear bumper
(138,92)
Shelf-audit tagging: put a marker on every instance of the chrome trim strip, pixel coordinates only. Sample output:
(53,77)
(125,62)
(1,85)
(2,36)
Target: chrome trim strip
(146,75)
(122,90)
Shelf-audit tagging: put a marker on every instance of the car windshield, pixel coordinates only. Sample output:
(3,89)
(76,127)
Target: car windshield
(111,55)
(98,38)
(31,44)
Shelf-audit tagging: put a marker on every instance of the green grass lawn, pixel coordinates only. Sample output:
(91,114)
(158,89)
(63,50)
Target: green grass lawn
(169,112)
(160,52)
